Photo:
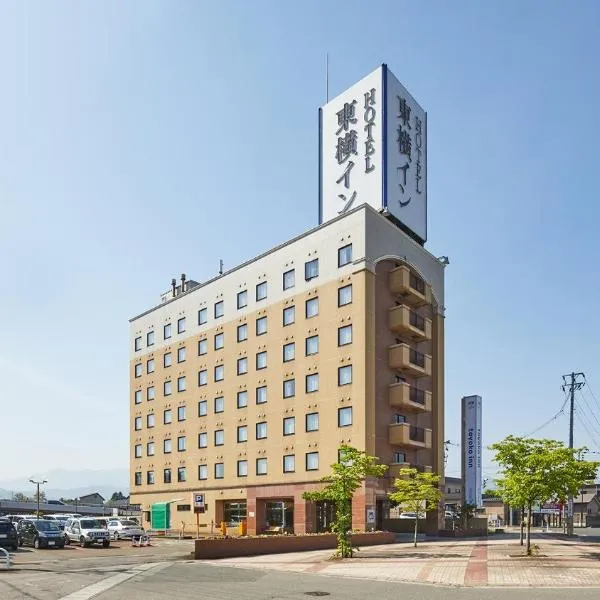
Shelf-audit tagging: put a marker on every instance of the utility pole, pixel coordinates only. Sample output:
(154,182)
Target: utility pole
(38,483)
(572,382)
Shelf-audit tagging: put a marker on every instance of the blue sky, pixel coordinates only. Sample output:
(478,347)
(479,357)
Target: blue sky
(140,140)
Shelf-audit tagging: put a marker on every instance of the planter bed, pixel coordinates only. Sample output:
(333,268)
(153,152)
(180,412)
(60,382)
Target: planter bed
(275,544)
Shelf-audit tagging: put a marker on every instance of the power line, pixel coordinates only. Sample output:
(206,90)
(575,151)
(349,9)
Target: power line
(592,392)
(584,412)
(581,419)
(560,412)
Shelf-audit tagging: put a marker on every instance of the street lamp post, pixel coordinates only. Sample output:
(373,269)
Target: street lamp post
(38,483)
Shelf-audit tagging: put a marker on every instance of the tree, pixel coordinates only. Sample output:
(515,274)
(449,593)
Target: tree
(465,512)
(21,497)
(416,492)
(536,471)
(117,496)
(42,497)
(353,467)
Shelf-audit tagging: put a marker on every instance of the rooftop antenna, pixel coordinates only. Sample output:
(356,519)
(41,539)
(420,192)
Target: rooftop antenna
(327,77)
(221,266)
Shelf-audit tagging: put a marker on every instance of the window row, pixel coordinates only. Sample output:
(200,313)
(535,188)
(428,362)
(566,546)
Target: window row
(311,463)
(311,271)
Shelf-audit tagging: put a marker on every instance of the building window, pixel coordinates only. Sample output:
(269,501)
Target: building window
(138,423)
(138,343)
(289,315)
(261,430)
(219,309)
(311,269)
(219,373)
(312,421)
(219,404)
(261,394)
(181,354)
(219,437)
(150,393)
(345,295)
(167,446)
(150,366)
(312,383)
(181,474)
(219,341)
(242,365)
(219,470)
(289,279)
(181,325)
(138,478)
(242,399)
(166,475)
(202,472)
(235,512)
(345,335)
(242,332)
(167,416)
(150,477)
(150,449)
(400,457)
(202,347)
(261,326)
(202,377)
(289,352)
(150,420)
(150,338)
(181,384)
(345,416)
(242,468)
(242,299)
(203,440)
(312,345)
(167,388)
(312,308)
(242,433)
(181,413)
(345,375)
(289,388)
(289,463)
(202,316)
(181,443)
(138,451)
(138,370)
(261,466)
(289,425)
(344,255)
(261,360)
(202,408)
(312,461)
(138,396)
(261,291)
(167,359)
(167,331)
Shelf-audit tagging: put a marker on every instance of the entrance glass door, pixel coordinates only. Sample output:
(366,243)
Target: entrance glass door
(280,514)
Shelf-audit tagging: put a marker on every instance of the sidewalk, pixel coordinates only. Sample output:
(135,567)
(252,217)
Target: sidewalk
(493,562)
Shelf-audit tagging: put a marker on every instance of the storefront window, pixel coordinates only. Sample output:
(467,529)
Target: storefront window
(280,514)
(234,512)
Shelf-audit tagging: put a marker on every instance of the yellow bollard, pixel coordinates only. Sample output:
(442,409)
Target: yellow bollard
(243,528)
(223,528)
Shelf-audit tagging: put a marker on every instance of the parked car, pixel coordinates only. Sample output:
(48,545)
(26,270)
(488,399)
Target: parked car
(103,521)
(86,532)
(124,529)
(60,519)
(8,535)
(411,515)
(40,533)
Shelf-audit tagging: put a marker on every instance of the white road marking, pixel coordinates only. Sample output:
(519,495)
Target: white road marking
(102,586)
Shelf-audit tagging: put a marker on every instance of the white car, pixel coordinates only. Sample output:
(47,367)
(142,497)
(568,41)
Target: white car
(411,515)
(124,529)
(86,531)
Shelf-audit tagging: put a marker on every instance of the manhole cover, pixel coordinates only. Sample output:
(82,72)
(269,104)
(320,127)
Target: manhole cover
(317,594)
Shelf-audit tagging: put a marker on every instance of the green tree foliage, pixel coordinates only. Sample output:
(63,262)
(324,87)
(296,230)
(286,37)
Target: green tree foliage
(348,474)
(117,496)
(416,492)
(21,497)
(536,471)
(42,497)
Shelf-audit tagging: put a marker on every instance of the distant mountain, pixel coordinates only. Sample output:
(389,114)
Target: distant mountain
(63,483)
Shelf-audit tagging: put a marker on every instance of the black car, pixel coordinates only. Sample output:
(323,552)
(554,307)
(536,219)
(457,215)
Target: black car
(8,535)
(40,533)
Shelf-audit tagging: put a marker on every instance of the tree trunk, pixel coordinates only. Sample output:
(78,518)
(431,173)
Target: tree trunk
(522,525)
(529,530)
(416,528)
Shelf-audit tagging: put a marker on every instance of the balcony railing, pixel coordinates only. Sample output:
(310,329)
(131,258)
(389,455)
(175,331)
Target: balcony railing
(416,395)
(417,434)
(416,283)
(416,321)
(416,358)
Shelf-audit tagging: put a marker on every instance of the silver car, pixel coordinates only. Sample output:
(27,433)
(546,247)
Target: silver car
(86,531)
(124,529)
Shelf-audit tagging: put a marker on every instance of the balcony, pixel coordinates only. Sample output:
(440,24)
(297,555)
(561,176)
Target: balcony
(404,358)
(414,291)
(406,321)
(403,395)
(409,436)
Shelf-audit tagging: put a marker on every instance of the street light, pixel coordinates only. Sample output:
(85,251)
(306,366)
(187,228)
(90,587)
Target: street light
(38,483)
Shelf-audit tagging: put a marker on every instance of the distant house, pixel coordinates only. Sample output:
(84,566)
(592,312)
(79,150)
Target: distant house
(94,499)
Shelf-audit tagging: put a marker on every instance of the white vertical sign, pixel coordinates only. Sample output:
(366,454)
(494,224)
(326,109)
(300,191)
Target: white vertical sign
(373,150)
(472,450)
